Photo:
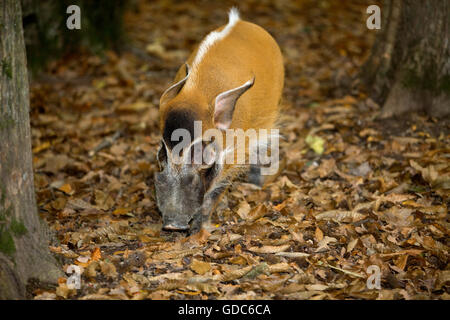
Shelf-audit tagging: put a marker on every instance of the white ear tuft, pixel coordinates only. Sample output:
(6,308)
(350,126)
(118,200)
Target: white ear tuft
(233,15)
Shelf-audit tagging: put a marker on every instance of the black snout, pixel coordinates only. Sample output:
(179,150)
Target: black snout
(173,226)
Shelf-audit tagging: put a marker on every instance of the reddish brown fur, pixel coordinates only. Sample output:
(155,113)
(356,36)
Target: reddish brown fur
(247,51)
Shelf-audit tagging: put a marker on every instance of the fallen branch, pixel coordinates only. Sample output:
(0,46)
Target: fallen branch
(107,142)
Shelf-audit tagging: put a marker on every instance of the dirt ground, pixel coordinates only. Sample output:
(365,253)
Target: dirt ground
(354,192)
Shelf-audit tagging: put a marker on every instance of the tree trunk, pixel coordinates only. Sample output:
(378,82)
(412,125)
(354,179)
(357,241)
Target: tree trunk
(24,250)
(409,68)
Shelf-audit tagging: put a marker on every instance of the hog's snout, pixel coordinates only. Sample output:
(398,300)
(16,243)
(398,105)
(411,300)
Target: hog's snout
(175,227)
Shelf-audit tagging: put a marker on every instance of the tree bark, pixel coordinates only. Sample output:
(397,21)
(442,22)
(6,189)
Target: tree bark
(24,239)
(409,67)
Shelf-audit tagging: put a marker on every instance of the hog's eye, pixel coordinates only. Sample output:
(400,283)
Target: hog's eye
(162,156)
(210,173)
(187,180)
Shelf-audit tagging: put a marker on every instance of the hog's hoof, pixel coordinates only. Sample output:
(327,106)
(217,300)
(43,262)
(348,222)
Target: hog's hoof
(255,177)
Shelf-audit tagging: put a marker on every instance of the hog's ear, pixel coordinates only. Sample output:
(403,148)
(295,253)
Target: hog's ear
(225,104)
(173,90)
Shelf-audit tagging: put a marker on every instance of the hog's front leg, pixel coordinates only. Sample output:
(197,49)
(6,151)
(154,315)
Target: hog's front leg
(212,199)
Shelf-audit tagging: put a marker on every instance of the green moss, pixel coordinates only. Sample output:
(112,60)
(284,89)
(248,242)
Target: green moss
(17,227)
(411,80)
(7,245)
(9,225)
(429,80)
(5,213)
(6,122)
(445,84)
(2,195)
(6,68)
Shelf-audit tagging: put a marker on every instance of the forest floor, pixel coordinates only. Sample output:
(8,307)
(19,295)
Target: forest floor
(354,192)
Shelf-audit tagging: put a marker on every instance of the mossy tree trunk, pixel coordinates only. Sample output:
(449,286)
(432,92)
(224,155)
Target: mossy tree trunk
(409,67)
(24,250)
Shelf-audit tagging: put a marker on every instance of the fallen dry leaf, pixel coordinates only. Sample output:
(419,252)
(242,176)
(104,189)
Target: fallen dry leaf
(200,267)
(352,191)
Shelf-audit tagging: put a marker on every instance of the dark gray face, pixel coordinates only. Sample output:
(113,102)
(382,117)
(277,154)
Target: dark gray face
(180,191)
(179,198)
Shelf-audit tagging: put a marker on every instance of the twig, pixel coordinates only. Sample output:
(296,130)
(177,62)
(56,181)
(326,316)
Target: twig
(346,271)
(108,141)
